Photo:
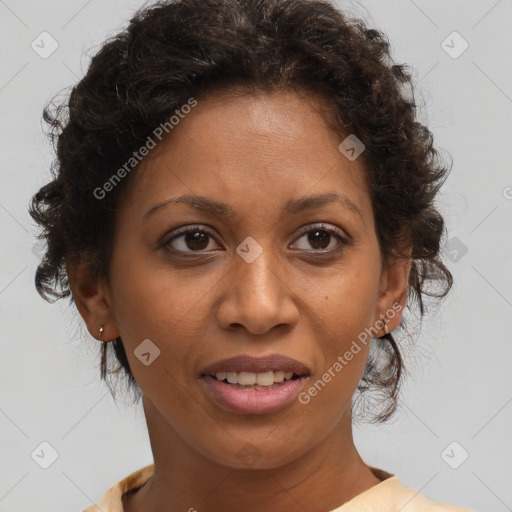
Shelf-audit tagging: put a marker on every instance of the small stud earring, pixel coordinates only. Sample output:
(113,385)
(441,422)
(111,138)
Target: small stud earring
(386,330)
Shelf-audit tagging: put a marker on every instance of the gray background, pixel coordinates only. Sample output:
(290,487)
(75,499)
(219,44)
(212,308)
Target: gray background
(459,388)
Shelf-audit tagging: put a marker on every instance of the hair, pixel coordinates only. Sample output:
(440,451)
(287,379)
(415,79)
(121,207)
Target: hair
(176,49)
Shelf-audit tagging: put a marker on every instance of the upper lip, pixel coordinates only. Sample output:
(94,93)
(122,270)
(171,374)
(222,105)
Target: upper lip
(263,364)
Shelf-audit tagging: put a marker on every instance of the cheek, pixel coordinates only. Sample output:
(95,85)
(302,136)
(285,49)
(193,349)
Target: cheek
(156,309)
(341,320)
(151,298)
(345,301)
(345,307)
(164,306)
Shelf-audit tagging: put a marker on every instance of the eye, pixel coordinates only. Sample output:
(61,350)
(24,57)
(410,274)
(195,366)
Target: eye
(197,239)
(190,239)
(322,238)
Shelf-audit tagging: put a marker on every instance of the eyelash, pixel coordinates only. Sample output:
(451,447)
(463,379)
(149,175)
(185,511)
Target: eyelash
(343,241)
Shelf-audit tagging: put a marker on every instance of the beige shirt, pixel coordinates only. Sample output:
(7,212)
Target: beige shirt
(388,496)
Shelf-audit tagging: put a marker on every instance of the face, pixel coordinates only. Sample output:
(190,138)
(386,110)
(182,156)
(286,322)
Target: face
(280,268)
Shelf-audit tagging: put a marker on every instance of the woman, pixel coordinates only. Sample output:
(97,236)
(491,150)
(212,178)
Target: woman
(242,208)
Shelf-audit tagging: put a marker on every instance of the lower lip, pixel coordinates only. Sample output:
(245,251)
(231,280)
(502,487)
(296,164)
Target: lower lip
(251,401)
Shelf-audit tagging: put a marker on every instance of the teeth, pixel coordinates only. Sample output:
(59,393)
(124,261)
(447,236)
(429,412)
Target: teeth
(252,378)
(279,376)
(263,379)
(232,377)
(247,378)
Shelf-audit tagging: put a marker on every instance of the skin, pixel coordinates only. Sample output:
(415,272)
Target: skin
(254,152)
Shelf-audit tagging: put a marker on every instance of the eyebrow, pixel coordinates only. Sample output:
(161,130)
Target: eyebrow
(292,207)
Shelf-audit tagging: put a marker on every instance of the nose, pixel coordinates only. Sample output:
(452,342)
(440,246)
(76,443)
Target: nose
(258,296)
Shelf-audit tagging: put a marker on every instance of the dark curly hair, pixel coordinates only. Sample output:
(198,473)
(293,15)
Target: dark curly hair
(177,49)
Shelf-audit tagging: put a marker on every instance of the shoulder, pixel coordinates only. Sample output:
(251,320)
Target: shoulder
(392,496)
(111,501)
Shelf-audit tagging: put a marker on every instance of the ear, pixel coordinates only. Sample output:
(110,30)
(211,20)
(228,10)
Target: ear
(393,290)
(92,299)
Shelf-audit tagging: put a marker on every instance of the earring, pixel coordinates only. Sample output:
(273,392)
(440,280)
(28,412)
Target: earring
(103,353)
(386,330)
(103,342)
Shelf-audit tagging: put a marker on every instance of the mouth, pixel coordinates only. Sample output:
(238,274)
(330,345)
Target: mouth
(256,381)
(248,385)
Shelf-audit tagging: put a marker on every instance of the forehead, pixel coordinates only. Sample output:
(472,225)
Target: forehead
(249,150)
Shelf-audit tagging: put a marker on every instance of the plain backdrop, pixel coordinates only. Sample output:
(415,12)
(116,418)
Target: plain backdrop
(451,437)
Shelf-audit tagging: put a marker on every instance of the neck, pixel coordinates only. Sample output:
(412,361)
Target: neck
(322,479)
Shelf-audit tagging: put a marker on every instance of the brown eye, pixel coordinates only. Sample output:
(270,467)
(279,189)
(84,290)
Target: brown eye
(322,238)
(192,239)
